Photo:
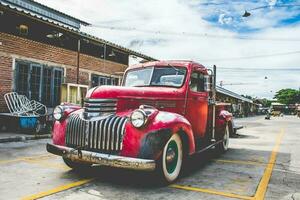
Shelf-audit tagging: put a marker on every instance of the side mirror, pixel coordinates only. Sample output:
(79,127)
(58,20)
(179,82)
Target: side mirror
(208,83)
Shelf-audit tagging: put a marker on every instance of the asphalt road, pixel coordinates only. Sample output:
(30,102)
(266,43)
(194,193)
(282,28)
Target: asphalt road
(263,162)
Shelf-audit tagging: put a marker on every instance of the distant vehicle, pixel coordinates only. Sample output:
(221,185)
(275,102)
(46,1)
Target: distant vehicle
(276,113)
(268,116)
(164,112)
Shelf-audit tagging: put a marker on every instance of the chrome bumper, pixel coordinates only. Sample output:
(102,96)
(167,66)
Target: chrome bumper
(102,159)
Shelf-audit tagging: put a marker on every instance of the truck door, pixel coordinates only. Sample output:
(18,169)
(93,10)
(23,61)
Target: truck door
(197,104)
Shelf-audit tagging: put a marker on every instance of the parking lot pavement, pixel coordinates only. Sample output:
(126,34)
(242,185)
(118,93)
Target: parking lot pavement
(262,162)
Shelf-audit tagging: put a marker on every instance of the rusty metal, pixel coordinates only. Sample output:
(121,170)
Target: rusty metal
(102,159)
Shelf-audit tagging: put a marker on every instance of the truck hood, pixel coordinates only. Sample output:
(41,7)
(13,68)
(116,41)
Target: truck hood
(130,98)
(118,92)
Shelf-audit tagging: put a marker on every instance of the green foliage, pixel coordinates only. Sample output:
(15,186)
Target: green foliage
(266,103)
(288,96)
(247,96)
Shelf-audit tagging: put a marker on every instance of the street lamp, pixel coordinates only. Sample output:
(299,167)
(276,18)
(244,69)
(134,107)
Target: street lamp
(246,14)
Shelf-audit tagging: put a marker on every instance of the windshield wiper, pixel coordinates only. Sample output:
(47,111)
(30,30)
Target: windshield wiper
(176,69)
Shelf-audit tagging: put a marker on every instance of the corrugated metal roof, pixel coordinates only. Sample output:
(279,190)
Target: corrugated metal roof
(232,94)
(38,8)
(74,31)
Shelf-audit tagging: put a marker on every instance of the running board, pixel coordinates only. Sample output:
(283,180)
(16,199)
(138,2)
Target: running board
(209,146)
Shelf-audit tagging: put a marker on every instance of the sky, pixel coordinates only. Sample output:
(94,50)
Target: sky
(256,55)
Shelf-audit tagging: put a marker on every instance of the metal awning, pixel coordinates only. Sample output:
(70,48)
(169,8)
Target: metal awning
(70,29)
(232,94)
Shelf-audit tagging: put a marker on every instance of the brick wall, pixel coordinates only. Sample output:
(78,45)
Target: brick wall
(72,76)
(13,46)
(6,76)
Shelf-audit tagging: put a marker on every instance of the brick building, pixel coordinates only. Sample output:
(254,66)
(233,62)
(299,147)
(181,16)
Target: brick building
(240,106)
(41,48)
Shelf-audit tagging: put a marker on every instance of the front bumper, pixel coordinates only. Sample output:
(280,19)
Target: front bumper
(102,159)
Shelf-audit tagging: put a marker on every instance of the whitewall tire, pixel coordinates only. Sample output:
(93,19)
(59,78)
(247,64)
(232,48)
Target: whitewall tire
(171,160)
(224,145)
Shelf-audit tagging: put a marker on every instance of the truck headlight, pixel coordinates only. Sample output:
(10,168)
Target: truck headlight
(138,118)
(58,112)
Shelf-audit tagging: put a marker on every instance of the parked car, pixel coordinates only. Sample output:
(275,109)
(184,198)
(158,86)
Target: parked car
(164,112)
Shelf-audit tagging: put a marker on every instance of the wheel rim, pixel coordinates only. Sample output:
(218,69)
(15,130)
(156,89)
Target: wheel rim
(171,156)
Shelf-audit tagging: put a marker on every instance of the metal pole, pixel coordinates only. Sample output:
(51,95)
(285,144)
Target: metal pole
(104,57)
(78,60)
(214,105)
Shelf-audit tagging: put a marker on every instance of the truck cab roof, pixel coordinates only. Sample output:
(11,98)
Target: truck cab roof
(177,63)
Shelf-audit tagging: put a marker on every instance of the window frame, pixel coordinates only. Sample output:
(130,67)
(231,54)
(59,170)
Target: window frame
(105,79)
(153,68)
(41,92)
(199,73)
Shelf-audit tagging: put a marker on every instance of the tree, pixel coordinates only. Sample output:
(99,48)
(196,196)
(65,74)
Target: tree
(288,96)
(247,96)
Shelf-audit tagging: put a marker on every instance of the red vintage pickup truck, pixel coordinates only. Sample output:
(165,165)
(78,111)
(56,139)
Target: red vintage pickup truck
(164,112)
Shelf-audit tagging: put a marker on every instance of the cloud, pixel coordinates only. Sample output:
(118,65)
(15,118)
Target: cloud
(224,19)
(204,31)
(271,2)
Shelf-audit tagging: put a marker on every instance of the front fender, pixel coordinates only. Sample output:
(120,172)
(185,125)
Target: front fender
(59,127)
(59,132)
(148,142)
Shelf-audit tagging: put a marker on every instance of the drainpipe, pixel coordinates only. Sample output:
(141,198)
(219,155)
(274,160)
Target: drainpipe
(78,60)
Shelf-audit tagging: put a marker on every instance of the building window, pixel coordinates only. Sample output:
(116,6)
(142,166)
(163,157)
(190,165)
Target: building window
(38,82)
(98,80)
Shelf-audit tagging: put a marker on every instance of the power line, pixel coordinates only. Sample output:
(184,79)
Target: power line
(280,6)
(257,68)
(253,57)
(205,35)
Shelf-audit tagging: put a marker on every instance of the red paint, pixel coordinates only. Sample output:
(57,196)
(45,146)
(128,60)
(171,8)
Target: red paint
(133,136)
(58,133)
(177,109)
(59,127)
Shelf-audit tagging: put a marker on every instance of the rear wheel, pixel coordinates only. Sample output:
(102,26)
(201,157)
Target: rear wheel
(171,159)
(223,146)
(76,165)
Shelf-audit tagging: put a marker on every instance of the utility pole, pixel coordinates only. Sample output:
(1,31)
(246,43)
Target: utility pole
(78,60)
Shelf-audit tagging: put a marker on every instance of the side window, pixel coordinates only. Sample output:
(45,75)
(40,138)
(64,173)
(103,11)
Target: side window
(197,82)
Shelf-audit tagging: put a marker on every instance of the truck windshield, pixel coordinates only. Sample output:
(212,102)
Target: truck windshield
(156,76)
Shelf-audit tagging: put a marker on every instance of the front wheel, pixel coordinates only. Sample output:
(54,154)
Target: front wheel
(171,159)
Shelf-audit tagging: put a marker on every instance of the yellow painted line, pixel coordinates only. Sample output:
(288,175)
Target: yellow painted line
(209,191)
(244,162)
(43,156)
(263,185)
(48,164)
(57,189)
(264,182)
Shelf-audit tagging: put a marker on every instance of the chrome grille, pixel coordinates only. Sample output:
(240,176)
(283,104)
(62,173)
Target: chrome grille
(103,135)
(98,107)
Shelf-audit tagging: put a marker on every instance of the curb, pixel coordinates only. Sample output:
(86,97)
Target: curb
(24,138)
